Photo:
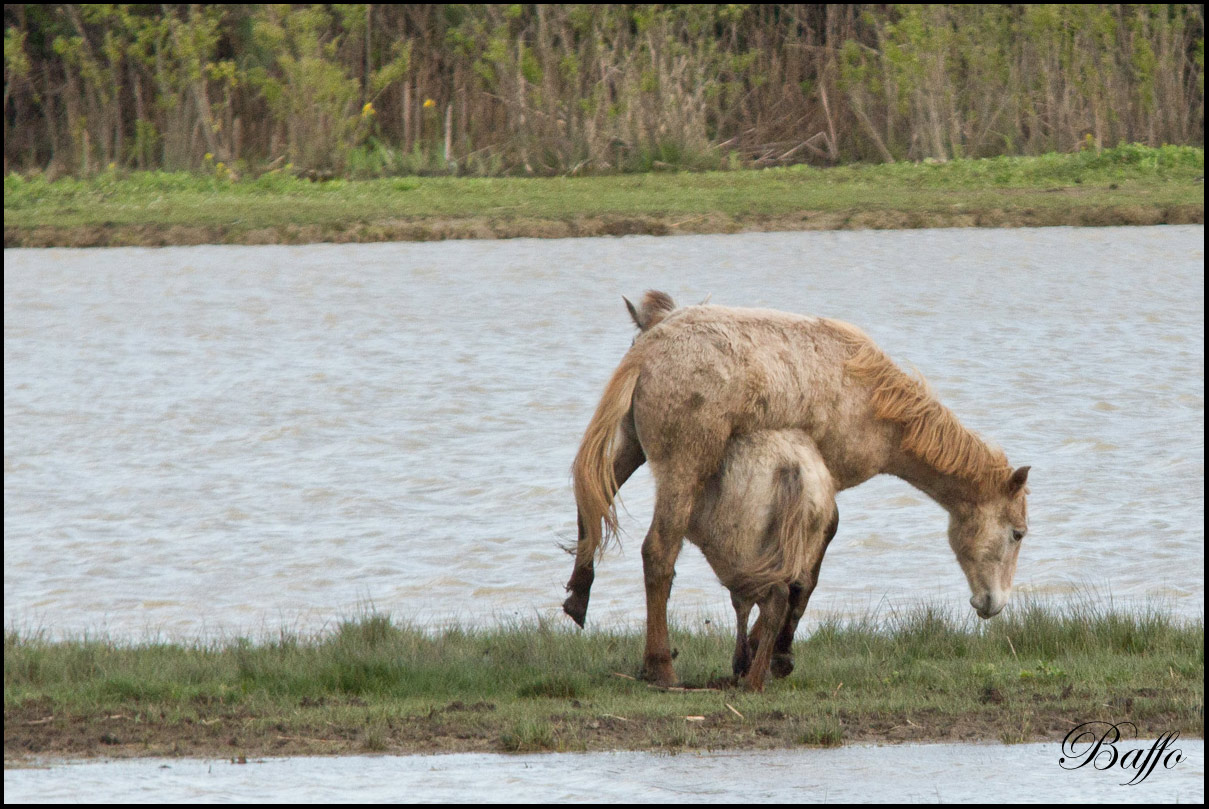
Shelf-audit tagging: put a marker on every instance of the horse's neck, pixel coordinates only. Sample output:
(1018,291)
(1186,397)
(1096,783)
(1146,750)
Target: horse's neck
(882,455)
(948,490)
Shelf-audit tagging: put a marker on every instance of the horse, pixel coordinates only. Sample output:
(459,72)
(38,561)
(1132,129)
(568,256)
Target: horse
(699,375)
(763,522)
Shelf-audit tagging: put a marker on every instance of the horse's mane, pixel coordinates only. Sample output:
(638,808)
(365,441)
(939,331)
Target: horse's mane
(930,430)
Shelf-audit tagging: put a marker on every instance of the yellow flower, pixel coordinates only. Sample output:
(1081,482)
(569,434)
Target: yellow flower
(368,110)
(429,103)
(209,157)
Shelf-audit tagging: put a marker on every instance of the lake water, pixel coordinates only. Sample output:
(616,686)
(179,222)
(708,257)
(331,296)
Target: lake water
(210,441)
(934,773)
(214,440)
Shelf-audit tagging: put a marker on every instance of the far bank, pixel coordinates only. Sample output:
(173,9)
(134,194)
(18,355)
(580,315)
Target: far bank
(1129,185)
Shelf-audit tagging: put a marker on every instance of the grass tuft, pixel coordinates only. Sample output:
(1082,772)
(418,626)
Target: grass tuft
(527,737)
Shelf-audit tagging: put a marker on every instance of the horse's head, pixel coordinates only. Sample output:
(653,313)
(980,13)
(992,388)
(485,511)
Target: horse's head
(986,538)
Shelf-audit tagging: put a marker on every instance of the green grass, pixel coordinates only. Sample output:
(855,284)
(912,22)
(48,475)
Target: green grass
(381,686)
(364,210)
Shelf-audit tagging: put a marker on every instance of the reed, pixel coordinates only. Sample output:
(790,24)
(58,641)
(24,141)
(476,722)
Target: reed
(367,90)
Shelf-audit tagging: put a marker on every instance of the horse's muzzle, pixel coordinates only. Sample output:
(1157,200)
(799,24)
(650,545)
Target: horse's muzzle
(987,606)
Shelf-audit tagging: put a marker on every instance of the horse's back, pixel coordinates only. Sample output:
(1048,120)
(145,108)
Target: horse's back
(710,372)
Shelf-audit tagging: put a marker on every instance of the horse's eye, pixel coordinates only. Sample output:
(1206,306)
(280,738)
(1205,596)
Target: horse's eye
(1017,535)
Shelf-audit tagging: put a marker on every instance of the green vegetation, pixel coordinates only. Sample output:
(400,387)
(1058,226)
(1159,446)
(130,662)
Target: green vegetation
(1126,185)
(372,685)
(369,90)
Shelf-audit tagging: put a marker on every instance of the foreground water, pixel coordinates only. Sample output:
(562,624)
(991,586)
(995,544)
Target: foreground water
(941,773)
(214,440)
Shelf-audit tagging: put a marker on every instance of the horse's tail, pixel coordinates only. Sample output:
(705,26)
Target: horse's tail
(794,537)
(595,483)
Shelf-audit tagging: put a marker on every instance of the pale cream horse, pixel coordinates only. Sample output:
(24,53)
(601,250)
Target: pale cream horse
(703,374)
(763,521)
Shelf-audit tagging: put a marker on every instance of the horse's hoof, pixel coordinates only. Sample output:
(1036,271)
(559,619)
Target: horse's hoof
(782,665)
(662,680)
(754,684)
(740,664)
(577,607)
(659,672)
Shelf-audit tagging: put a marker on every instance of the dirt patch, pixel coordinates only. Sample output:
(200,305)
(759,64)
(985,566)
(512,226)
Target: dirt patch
(439,229)
(31,734)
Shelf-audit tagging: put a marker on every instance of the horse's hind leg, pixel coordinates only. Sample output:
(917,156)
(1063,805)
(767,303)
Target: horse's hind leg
(580,585)
(799,596)
(782,659)
(628,458)
(740,662)
(773,609)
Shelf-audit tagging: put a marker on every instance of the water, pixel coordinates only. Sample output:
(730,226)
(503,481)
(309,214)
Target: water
(218,440)
(940,773)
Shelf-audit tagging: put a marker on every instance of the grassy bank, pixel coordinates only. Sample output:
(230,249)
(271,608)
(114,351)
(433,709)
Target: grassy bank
(373,686)
(1126,185)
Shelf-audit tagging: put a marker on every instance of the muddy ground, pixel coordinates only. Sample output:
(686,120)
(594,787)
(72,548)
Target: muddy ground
(438,229)
(32,734)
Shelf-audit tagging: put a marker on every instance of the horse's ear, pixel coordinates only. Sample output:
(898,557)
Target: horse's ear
(1017,481)
(633,312)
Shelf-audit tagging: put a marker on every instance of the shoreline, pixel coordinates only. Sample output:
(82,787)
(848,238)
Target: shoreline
(478,227)
(713,739)
(734,722)
(372,687)
(1128,185)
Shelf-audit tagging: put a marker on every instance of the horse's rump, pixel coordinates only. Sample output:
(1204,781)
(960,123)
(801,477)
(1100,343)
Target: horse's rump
(761,520)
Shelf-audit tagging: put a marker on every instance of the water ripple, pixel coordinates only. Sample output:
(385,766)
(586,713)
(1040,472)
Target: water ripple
(215,438)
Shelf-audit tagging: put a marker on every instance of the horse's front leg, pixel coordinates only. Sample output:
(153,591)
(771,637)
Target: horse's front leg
(629,457)
(659,552)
